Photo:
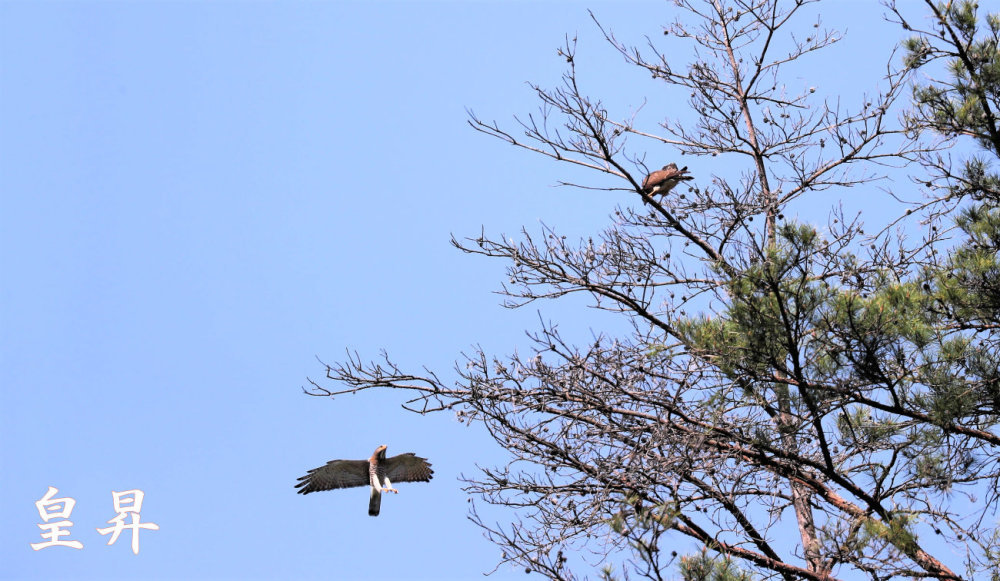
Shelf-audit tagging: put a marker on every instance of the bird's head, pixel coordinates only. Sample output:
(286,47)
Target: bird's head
(670,166)
(380,452)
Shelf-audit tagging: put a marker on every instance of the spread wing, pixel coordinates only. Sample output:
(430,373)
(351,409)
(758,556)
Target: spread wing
(336,474)
(408,468)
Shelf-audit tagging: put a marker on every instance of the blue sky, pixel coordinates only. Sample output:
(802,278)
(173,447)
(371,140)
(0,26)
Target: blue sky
(200,199)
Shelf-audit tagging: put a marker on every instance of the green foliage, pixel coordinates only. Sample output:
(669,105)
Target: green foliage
(786,319)
(753,336)
(969,284)
(963,376)
(704,567)
(967,103)
(860,428)
(898,532)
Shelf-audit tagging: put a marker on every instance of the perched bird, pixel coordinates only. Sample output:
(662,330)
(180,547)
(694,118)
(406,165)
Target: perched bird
(663,180)
(378,472)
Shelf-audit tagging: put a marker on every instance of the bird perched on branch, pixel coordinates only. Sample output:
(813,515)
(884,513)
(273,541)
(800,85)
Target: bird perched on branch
(663,180)
(378,472)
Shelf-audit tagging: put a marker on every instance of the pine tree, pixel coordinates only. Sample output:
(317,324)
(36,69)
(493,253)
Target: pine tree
(801,402)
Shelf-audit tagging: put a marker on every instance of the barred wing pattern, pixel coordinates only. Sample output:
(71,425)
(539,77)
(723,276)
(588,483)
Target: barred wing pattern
(336,474)
(408,468)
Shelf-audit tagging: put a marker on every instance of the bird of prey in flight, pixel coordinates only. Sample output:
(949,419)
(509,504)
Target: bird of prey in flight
(661,181)
(378,472)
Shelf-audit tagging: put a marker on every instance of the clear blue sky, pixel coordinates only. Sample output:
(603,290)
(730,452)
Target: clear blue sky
(199,199)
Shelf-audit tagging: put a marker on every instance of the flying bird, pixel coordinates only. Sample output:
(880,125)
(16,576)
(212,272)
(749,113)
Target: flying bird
(377,472)
(663,180)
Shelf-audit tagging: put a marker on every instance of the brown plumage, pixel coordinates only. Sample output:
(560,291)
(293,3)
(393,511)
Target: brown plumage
(661,181)
(377,472)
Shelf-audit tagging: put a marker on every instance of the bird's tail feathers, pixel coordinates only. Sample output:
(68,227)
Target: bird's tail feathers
(374,501)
